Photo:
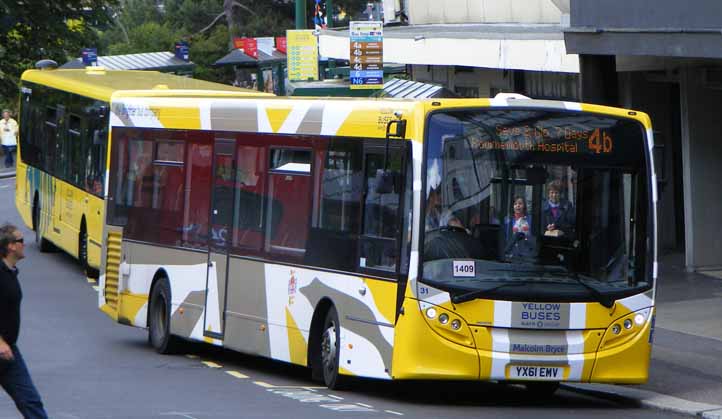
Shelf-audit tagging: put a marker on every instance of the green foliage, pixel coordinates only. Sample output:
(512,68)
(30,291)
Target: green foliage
(147,37)
(149,28)
(206,50)
(31,30)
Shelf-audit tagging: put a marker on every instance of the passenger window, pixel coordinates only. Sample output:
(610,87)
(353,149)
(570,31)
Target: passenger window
(76,143)
(333,238)
(248,221)
(288,202)
(379,246)
(197,193)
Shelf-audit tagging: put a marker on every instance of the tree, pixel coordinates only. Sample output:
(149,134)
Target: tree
(31,30)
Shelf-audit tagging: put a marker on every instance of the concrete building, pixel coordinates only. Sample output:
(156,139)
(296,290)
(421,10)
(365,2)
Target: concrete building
(477,48)
(664,57)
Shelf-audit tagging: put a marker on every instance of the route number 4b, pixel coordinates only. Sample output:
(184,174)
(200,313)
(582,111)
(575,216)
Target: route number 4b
(600,142)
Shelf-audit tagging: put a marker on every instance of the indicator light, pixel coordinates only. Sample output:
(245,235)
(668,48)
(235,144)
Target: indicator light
(444,318)
(627,324)
(456,324)
(616,329)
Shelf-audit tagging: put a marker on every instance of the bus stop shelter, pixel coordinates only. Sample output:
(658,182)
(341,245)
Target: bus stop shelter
(273,64)
(164,61)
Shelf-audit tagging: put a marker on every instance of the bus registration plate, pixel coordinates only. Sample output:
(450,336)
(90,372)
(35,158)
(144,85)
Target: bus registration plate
(536,372)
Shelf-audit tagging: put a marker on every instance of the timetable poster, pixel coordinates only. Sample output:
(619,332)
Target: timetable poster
(366,57)
(302,55)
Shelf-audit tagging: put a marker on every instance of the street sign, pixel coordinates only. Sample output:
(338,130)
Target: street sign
(302,55)
(90,56)
(366,56)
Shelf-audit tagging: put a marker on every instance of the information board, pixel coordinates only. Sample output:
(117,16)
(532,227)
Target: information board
(302,55)
(366,57)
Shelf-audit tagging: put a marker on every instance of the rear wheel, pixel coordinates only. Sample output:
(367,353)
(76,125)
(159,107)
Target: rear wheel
(90,272)
(331,351)
(159,319)
(43,243)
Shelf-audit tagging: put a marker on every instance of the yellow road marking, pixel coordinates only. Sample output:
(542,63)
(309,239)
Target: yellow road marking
(90,280)
(95,287)
(210,364)
(236,374)
(262,384)
(191,356)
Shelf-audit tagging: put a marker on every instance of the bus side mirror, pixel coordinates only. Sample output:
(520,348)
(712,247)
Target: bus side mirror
(396,128)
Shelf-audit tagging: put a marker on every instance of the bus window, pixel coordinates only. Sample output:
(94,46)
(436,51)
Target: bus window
(74,138)
(379,248)
(248,222)
(333,240)
(168,180)
(289,186)
(49,139)
(197,193)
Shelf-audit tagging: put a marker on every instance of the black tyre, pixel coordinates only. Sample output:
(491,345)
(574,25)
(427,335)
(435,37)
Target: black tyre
(159,334)
(542,389)
(90,272)
(331,351)
(43,243)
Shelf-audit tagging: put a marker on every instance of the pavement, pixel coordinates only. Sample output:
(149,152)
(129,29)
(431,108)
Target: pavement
(686,368)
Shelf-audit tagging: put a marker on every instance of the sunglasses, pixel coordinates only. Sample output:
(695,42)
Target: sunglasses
(21,240)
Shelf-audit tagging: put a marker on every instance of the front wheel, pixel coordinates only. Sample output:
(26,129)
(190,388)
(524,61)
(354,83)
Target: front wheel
(159,319)
(331,352)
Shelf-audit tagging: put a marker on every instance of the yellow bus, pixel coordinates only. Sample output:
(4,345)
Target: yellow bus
(61,169)
(467,239)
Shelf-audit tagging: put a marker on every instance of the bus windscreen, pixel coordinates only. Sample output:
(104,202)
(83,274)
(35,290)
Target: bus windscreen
(534,204)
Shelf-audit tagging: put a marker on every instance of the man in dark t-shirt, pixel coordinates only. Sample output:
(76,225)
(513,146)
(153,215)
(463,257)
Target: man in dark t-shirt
(14,376)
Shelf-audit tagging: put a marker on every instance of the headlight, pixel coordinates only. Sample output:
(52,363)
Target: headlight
(444,318)
(431,313)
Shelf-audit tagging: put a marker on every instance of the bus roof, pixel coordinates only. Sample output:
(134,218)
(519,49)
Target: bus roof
(102,84)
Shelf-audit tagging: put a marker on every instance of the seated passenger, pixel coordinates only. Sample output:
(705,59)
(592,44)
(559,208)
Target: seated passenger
(517,229)
(557,214)
(519,222)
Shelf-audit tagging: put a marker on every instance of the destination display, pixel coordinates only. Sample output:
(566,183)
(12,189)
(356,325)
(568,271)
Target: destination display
(552,140)
(366,55)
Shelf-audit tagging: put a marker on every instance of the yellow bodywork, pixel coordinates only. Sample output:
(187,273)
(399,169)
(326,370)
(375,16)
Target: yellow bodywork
(63,205)
(422,347)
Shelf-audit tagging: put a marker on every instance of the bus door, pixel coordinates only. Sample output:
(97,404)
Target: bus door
(222,196)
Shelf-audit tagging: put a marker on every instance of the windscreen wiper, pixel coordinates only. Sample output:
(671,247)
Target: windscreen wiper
(601,298)
(472,295)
